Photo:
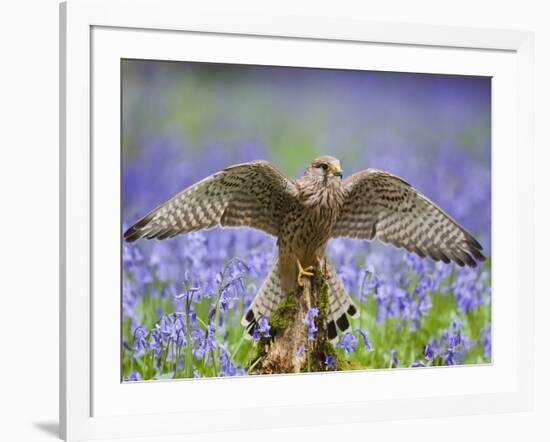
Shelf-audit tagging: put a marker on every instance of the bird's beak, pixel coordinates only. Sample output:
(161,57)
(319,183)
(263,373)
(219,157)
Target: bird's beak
(335,170)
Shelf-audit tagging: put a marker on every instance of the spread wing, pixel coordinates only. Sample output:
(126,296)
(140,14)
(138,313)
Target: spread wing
(249,194)
(381,206)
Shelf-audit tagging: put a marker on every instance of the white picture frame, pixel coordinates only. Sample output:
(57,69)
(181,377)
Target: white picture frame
(97,33)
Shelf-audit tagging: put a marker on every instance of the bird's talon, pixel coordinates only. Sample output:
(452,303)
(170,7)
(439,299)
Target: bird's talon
(303,272)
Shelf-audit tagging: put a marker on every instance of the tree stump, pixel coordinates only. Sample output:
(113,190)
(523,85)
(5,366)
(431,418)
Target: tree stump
(289,350)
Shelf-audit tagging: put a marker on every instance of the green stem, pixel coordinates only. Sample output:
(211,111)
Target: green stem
(214,363)
(188,348)
(362,301)
(177,352)
(239,344)
(254,365)
(216,327)
(201,322)
(221,286)
(165,356)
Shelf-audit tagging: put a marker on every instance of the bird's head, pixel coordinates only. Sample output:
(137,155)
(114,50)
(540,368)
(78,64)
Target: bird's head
(326,167)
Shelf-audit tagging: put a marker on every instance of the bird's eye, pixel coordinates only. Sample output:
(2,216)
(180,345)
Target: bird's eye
(323,166)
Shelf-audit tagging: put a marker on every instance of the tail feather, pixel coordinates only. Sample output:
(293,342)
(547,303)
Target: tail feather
(271,294)
(340,304)
(266,301)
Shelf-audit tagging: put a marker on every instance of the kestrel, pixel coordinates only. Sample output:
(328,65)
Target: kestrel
(304,214)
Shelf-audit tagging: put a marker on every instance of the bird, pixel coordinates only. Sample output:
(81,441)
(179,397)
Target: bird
(303,214)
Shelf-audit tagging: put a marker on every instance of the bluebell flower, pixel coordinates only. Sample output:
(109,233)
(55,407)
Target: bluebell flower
(449,356)
(469,290)
(226,300)
(348,342)
(456,343)
(425,284)
(366,341)
(140,335)
(300,351)
(394,360)
(262,329)
(330,362)
(199,342)
(309,321)
(166,329)
(486,341)
(429,352)
(227,367)
(418,364)
(155,342)
(231,283)
(192,294)
(417,264)
(134,376)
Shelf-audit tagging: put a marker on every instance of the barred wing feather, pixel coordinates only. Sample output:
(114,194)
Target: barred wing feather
(382,206)
(250,194)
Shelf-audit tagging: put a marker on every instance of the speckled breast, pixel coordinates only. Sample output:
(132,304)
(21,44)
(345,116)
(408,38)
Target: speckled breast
(307,230)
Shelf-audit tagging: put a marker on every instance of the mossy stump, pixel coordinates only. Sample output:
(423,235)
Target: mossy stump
(288,350)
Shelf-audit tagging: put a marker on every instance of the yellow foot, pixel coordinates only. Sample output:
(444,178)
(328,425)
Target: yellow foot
(303,272)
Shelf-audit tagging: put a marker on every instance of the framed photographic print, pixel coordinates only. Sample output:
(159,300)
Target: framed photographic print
(260,213)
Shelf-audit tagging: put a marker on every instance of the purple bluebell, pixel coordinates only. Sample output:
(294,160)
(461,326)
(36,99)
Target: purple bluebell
(370,283)
(309,321)
(486,341)
(262,329)
(199,342)
(394,360)
(456,343)
(300,351)
(348,342)
(429,352)
(140,335)
(134,376)
(366,341)
(155,342)
(330,362)
(166,329)
(228,367)
(418,363)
